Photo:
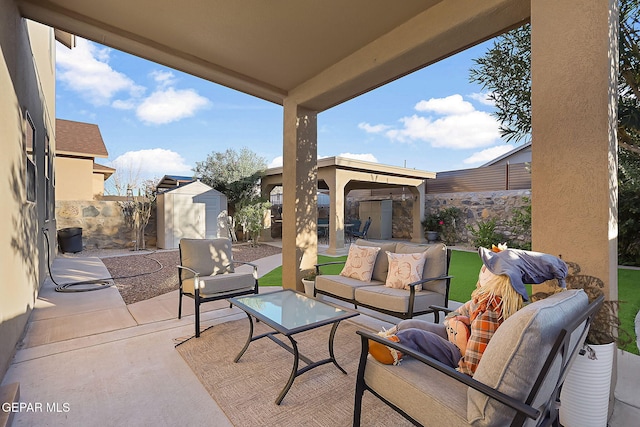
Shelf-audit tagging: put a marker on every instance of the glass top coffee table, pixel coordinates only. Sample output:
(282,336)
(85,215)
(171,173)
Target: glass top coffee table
(289,312)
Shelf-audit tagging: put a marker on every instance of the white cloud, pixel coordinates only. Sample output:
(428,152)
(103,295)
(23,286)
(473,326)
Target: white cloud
(459,126)
(483,98)
(163,78)
(151,163)
(85,70)
(367,157)
(489,154)
(372,128)
(276,162)
(451,105)
(169,105)
(120,104)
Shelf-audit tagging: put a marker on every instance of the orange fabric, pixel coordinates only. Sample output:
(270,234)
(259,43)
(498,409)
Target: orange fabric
(382,353)
(458,331)
(485,317)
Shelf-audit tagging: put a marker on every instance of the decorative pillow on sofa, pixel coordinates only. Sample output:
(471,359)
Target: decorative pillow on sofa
(360,262)
(405,269)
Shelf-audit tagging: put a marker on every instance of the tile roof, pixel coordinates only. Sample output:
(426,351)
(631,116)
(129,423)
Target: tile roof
(77,138)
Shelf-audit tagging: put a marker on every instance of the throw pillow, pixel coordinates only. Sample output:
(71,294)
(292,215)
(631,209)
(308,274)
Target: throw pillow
(405,269)
(360,262)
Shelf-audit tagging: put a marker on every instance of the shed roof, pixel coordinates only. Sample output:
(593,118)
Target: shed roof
(193,188)
(173,181)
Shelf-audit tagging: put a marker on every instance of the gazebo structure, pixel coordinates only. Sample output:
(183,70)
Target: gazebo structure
(340,175)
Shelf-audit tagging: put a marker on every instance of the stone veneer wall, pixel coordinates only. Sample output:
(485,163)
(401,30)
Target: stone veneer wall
(477,206)
(481,206)
(102,223)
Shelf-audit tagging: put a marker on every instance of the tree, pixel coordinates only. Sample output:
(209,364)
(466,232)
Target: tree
(127,176)
(251,218)
(505,71)
(137,211)
(235,173)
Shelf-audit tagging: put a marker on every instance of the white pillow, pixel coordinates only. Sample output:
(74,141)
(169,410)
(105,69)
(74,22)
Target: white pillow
(360,262)
(405,269)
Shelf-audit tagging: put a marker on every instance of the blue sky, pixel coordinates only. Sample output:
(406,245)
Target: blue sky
(157,121)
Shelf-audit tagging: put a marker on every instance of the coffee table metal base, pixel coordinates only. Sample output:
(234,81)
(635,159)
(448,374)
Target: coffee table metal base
(293,349)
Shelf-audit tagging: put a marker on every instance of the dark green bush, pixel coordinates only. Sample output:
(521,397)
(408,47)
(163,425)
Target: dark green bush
(485,234)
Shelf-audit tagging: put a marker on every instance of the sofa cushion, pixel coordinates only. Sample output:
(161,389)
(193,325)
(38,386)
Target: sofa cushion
(340,286)
(220,283)
(396,299)
(404,269)
(508,363)
(408,385)
(435,265)
(360,262)
(206,256)
(382,263)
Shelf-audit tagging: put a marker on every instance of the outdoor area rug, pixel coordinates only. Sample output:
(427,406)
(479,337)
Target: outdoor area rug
(246,391)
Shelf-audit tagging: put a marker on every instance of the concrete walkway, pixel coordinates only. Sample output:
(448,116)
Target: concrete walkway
(87,359)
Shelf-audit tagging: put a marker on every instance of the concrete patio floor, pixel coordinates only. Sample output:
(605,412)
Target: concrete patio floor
(91,360)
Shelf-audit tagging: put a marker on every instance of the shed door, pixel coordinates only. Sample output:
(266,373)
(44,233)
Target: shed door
(212,210)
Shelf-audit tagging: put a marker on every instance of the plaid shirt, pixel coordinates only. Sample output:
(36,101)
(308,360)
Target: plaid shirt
(485,317)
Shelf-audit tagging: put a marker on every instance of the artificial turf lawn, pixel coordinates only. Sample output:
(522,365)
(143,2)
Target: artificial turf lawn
(465,267)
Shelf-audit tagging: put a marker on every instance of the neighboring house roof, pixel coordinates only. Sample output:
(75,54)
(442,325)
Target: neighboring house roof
(523,147)
(79,139)
(105,170)
(173,181)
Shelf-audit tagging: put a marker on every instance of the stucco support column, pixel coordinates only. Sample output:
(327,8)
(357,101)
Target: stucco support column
(574,65)
(418,193)
(300,199)
(336,184)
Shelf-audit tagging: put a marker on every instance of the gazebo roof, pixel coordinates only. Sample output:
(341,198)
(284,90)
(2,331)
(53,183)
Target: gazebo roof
(360,166)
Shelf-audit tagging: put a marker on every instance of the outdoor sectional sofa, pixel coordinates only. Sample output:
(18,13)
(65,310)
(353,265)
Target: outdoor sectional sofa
(402,303)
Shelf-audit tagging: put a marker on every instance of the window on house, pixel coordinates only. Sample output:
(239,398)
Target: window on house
(30,144)
(48,172)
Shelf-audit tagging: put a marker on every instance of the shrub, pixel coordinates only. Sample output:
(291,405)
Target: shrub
(520,225)
(450,227)
(486,235)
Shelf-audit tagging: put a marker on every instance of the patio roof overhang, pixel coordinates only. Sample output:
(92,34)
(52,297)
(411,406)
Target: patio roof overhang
(321,53)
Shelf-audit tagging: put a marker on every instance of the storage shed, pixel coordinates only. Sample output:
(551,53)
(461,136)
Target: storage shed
(193,210)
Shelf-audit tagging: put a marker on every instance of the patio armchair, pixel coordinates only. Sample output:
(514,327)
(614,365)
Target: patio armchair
(363,234)
(517,382)
(206,273)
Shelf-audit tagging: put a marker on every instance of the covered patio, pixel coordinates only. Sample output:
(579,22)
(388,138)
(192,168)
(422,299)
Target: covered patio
(311,56)
(341,175)
(308,57)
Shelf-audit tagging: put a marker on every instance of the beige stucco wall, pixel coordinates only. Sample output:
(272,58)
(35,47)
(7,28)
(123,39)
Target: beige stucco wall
(22,258)
(98,185)
(74,178)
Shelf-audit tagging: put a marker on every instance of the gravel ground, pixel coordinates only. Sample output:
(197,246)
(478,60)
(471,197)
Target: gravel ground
(141,276)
